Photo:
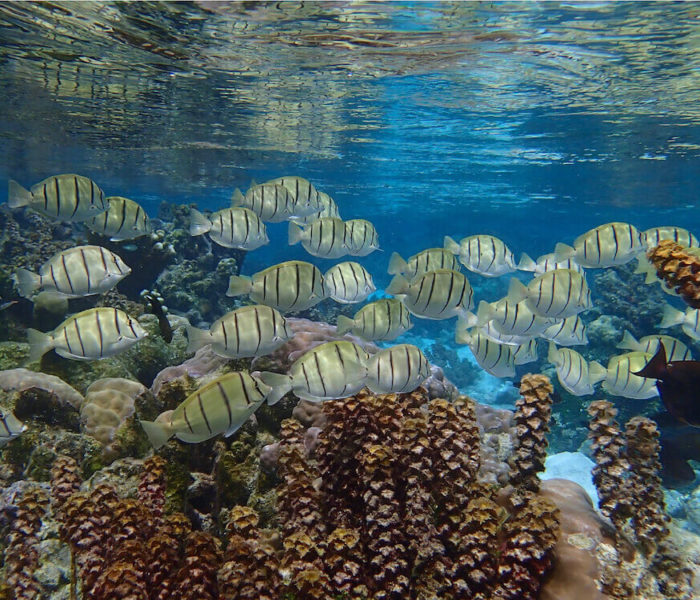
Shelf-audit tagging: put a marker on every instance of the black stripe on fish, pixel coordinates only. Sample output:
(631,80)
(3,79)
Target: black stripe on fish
(58,196)
(123,217)
(617,243)
(204,414)
(246,392)
(224,395)
(87,270)
(65,270)
(77,196)
(320,374)
(99,332)
(80,337)
(184,411)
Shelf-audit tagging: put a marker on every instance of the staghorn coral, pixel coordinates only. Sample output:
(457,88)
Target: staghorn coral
(679,269)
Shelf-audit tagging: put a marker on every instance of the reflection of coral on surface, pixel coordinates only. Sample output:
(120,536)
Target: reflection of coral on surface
(679,269)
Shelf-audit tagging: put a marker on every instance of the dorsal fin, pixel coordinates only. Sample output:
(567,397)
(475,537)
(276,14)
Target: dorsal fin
(656,367)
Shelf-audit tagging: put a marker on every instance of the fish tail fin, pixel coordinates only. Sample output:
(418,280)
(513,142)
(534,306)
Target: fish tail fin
(397,264)
(399,285)
(517,290)
(645,267)
(671,317)
(656,367)
(628,342)
(451,245)
(296,233)
(552,353)
(197,338)
(39,344)
(199,224)
(158,433)
(563,252)
(596,372)
(26,282)
(462,335)
(280,384)
(344,324)
(526,263)
(237,198)
(239,285)
(484,313)
(17,195)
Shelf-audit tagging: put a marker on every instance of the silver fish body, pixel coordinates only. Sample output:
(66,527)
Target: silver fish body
(245,332)
(675,349)
(427,260)
(604,246)
(10,427)
(382,320)
(651,237)
(361,237)
(220,406)
(123,220)
(89,335)
(576,375)
(397,370)
(483,254)
(348,282)
(496,359)
(325,237)
(62,197)
(525,353)
(289,286)
(74,273)
(566,332)
(271,202)
(231,227)
(556,294)
(306,197)
(547,262)
(440,294)
(328,209)
(512,318)
(689,320)
(620,380)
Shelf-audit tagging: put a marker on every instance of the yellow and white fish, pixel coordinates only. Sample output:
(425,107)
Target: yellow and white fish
(440,294)
(328,209)
(325,237)
(566,332)
(576,375)
(556,294)
(620,380)
(231,227)
(271,202)
(361,237)
(605,246)
(289,286)
(689,320)
(74,273)
(382,320)
(61,197)
(221,406)
(512,318)
(525,353)
(675,349)
(427,260)
(489,330)
(651,237)
(245,332)
(483,254)
(10,427)
(89,335)
(497,359)
(545,263)
(327,372)
(123,220)
(397,370)
(306,197)
(348,282)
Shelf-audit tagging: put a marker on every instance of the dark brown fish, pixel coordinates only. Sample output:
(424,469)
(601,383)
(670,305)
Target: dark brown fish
(155,305)
(678,383)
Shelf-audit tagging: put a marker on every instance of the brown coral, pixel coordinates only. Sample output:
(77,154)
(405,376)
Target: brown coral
(679,269)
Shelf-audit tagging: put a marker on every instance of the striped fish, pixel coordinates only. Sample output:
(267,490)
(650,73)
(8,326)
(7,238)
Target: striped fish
(89,335)
(566,332)
(362,238)
(271,202)
(490,331)
(439,294)
(74,273)
(545,263)
(483,254)
(231,227)
(61,197)
(324,237)
(427,260)
(397,370)
(289,286)
(620,381)
(525,353)
(384,320)
(605,246)
(348,282)
(688,320)
(123,220)
(652,237)
(675,349)
(221,406)
(557,294)
(306,198)
(328,209)
(10,427)
(248,331)
(512,318)
(496,359)
(327,372)
(576,375)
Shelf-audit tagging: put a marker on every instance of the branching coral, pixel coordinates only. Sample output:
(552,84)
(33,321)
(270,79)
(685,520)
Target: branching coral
(679,269)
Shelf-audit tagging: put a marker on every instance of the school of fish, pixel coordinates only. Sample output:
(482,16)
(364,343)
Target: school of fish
(428,285)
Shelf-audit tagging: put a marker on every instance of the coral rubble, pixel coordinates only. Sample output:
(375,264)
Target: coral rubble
(679,269)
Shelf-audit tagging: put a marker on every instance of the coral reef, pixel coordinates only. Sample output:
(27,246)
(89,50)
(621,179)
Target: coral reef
(678,269)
